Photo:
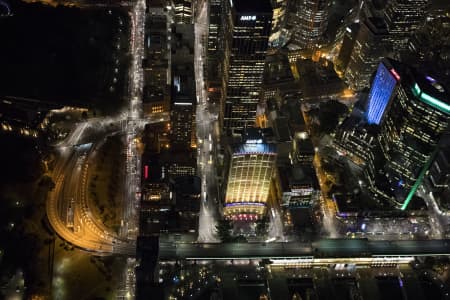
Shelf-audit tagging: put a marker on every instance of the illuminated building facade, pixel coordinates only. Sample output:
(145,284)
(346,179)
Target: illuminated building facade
(356,142)
(183,104)
(403,17)
(250,30)
(381,92)
(217,61)
(214,26)
(394,142)
(348,42)
(302,150)
(370,47)
(411,130)
(278,36)
(307,21)
(183,11)
(249,179)
(182,115)
(439,177)
(300,191)
(156,91)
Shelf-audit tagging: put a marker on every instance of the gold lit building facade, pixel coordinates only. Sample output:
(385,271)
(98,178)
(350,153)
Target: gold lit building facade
(251,169)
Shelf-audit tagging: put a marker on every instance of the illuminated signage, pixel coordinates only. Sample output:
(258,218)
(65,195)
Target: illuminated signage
(258,141)
(436,103)
(248,18)
(245,204)
(146,172)
(430,79)
(395,74)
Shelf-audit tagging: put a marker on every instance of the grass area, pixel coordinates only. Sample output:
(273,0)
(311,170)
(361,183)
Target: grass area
(105,182)
(23,191)
(25,245)
(28,246)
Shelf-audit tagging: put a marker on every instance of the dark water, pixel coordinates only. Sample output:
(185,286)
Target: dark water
(63,54)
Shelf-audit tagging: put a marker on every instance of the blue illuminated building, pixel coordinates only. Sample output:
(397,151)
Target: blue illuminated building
(410,128)
(381,92)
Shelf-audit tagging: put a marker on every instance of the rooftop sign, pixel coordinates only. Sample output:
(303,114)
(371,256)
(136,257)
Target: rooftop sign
(248,18)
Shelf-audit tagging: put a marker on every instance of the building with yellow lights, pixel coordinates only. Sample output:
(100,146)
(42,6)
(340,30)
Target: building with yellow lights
(183,98)
(156,62)
(251,170)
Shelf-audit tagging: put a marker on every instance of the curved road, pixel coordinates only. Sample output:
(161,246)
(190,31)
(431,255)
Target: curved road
(68,210)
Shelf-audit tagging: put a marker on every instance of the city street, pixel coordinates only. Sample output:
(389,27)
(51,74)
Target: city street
(327,205)
(69,211)
(276,233)
(68,205)
(283,176)
(439,220)
(132,126)
(207,138)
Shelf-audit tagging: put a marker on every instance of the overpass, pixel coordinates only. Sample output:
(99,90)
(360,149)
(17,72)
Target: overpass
(327,248)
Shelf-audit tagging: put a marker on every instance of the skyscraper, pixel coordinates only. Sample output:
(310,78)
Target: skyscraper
(351,32)
(156,91)
(182,114)
(381,91)
(403,17)
(251,170)
(182,121)
(183,11)
(371,45)
(412,126)
(250,24)
(278,32)
(215,52)
(307,21)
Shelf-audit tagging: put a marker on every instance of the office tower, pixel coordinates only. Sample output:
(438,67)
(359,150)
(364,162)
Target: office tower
(438,10)
(250,24)
(186,194)
(371,9)
(351,32)
(302,150)
(411,129)
(249,179)
(371,45)
(403,17)
(216,63)
(156,91)
(307,22)
(429,46)
(381,91)
(182,122)
(298,189)
(278,33)
(183,88)
(439,176)
(147,286)
(182,112)
(357,142)
(183,11)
